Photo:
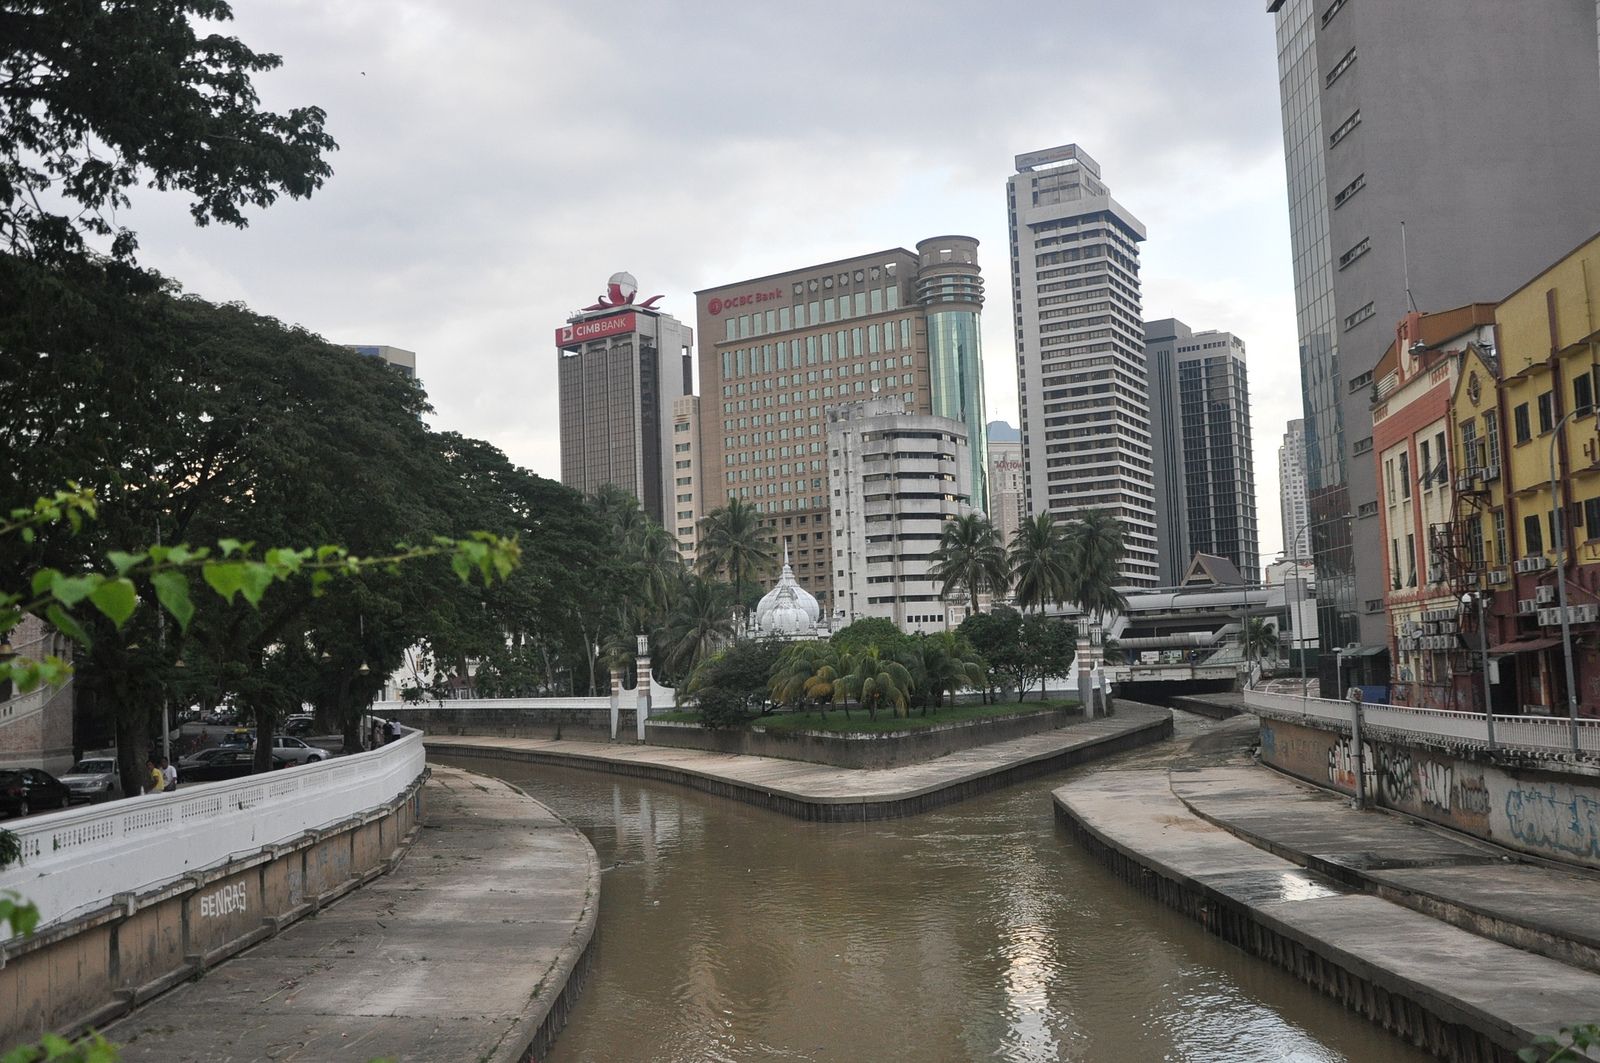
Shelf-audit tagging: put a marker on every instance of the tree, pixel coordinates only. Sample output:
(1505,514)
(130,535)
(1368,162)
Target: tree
(996,637)
(869,632)
(1260,640)
(735,541)
(878,682)
(701,621)
(970,559)
(1040,562)
(947,664)
(1096,550)
(1045,649)
(809,672)
(98,96)
(738,676)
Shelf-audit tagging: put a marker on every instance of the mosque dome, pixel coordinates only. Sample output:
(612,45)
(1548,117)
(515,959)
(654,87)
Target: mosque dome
(788,608)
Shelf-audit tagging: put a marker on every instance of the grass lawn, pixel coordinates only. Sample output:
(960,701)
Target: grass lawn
(886,723)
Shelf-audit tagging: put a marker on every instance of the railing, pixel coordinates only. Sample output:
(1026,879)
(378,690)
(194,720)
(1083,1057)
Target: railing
(81,859)
(386,708)
(1527,734)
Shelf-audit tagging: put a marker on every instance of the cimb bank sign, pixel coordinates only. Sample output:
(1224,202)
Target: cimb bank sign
(596,329)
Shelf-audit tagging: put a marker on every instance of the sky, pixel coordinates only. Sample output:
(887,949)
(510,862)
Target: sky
(499,159)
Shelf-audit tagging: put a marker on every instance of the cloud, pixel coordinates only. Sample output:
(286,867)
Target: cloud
(500,159)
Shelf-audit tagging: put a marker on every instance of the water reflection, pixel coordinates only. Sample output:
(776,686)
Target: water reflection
(977,932)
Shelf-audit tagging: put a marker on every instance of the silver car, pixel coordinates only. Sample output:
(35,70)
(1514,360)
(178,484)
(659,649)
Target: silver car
(295,751)
(94,779)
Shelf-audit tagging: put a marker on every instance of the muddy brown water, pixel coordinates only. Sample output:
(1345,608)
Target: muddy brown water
(980,931)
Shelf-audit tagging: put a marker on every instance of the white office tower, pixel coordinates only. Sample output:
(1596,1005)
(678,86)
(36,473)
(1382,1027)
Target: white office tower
(1081,379)
(895,478)
(1292,489)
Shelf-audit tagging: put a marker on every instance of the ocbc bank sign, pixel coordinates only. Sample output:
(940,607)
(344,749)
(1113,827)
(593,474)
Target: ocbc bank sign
(718,303)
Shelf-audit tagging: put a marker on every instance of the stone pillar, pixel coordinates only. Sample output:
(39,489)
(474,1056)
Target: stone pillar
(1085,675)
(616,700)
(642,663)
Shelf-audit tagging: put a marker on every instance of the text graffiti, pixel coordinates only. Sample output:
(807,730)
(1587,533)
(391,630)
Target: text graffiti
(226,901)
(1556,818)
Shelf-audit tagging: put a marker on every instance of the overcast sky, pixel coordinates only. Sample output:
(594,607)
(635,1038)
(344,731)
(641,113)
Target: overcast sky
(499,159)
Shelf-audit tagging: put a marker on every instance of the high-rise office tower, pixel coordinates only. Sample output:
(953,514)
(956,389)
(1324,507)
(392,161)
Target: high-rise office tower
(1008,504)
(1205,479)
(1292,490)
(686,477)
(1080,350)
(623,366)
(404,362)
(1415,180)
(777,351)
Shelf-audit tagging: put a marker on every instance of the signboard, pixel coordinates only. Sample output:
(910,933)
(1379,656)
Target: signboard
(717,303)
(598,328)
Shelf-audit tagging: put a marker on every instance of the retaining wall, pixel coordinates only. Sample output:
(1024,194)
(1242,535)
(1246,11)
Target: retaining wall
(585,723)
(872,751)
(87,969)
(1519,803)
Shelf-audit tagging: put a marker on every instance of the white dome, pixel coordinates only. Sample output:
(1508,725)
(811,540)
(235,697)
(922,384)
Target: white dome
(787,609)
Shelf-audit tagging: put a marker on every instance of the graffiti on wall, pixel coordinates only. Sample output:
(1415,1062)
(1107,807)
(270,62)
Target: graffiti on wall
(1434,779)
(1471,797)
(1397,776)
(1342,764)
(1554,817)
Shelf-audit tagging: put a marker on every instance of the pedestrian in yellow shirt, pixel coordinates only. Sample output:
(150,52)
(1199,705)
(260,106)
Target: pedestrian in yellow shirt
(158,781)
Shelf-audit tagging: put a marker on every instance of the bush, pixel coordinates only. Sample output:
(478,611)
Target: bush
(720,708)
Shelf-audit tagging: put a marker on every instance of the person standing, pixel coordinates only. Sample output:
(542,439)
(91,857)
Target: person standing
(169,775)
(157,782)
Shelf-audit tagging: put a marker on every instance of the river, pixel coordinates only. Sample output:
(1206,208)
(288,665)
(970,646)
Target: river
(980,931)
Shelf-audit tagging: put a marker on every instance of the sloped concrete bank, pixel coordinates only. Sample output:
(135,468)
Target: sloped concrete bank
(840,795)
(1455,994)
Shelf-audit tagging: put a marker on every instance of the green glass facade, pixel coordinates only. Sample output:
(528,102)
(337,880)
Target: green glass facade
(955,375)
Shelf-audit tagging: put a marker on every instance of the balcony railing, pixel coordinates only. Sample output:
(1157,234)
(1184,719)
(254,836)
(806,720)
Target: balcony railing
(1544,735)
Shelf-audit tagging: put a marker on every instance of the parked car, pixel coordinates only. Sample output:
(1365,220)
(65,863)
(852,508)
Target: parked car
(296,751)
(299,724)
(94,778)
(204,756)
(27,790)
(232,763)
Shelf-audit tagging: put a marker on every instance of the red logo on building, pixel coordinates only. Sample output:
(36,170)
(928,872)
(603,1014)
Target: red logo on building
(598,328)
(717,304)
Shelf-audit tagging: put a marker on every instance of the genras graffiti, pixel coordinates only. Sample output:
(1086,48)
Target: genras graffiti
(225,901)
(1554,817)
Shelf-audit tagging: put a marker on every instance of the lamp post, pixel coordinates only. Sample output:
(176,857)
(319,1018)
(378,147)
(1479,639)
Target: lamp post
(1295,617)
(1560,530)
(1483,634)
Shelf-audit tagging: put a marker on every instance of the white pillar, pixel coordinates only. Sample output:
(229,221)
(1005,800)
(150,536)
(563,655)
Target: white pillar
(642,662)
(616,701)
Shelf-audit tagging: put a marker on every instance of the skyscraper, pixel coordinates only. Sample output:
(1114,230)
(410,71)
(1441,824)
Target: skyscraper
(1415,179)
(1292,490)
(777,351)
(623,365)
(1080,350)
(1008,504)
(404,362)
(1205,480)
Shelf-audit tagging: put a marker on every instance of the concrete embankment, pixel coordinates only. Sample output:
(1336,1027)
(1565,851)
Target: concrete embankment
(840,795)
(472,949)
(1457,994)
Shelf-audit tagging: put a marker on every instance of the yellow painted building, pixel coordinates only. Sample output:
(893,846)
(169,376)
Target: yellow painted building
(1548,340)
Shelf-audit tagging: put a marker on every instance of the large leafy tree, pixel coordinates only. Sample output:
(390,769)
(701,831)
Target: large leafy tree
(98,95)
(970,559)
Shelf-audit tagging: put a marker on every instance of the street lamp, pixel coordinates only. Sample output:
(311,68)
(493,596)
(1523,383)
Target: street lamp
(1561,580)
(1483,634)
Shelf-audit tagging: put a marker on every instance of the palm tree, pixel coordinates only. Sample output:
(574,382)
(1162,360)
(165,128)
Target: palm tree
(809,671)
(970,557)
(1260,640)
(652,553)
(700,622)
(733,540)
(1039,559)
(877,681)
(943,662)
(1095,551)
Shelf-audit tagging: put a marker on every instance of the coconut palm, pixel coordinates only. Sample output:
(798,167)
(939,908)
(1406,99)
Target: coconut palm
(810,671)
(941,663)
(734,541)
(878,682)
(970,558)
(1095,550)
(1039,561)
(652,552)
(700,622)
(1260,640)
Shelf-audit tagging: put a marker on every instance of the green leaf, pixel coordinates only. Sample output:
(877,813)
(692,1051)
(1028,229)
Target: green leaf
(230,546)
(115,598)
(64,623)
(257,578)
(172,590)
(123,561)
(43,578)
(224,577)
(70,590)
(28,535)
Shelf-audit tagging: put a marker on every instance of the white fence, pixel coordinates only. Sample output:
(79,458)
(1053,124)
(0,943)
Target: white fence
(662,699)
(1548,735)
(80,859)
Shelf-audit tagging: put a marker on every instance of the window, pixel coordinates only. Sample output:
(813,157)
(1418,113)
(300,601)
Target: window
(1346,127)
(1491,436)
(1519,421)
(1358,317)
(1547,412)
(1441,470)
(1355,252)
(1532,535)
(1583,395)
(1341,66)
(1499,536)
(1425,466)
(1360,381)
(1349,190)
(1411,560)
(1388,478)
(1591,518)
(1405,475)
(1367,509)
(1332,10)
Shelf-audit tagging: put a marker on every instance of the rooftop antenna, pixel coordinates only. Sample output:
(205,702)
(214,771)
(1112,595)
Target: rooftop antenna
(1405,267)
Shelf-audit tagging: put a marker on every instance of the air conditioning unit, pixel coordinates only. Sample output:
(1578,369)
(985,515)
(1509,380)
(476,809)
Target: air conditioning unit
(1583,614)
(1549,617)
(1544,595)
(1448,627)
(1491,472)
(1527,607)
(1536,563)
(1498,576)
(1435,573)
(1464,482)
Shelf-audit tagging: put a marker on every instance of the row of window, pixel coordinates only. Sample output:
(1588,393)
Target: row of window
(822,348)
(815,312)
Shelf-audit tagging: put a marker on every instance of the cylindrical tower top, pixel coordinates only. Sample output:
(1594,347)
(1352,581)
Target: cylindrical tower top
(947,272)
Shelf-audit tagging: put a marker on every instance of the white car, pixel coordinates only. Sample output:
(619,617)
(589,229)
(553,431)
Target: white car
(94,778)
(297,752)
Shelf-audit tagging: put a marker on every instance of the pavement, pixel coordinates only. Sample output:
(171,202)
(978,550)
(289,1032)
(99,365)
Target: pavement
(1507,994)
(463,952)
(820,784)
